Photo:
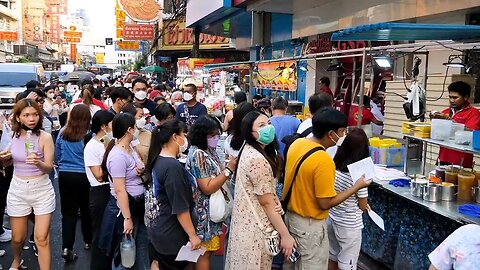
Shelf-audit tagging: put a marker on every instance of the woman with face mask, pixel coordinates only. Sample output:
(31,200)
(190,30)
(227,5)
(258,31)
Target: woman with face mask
(344,222)
(72,180)
(142,135)
(170,226)
(210,174)
(31,191)
(255,191)
(93,156)
(54,106)
(125,210)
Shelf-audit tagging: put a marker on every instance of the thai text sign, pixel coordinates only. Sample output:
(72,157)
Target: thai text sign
(280,76)
(8,36)
(139,31)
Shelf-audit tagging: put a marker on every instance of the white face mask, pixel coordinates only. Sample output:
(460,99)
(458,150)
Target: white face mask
(60,88)
(184,147)
(135,134)
(141,95)
(109,135)
(178,103)
(340,140)
(51,95)
(141,122)
(187,96)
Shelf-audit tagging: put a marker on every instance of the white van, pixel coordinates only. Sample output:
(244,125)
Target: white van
(13,78)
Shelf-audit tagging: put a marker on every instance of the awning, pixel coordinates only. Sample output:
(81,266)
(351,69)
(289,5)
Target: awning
(227,65)
(408,31)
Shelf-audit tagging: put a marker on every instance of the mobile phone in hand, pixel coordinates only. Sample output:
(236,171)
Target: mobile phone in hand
(294,256)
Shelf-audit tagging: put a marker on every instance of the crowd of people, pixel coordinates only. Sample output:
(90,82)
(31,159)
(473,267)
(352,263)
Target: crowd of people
(143,161)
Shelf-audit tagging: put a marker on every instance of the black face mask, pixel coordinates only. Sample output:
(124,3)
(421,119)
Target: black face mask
(25,127)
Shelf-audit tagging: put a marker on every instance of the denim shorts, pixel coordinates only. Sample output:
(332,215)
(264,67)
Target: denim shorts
(32,195)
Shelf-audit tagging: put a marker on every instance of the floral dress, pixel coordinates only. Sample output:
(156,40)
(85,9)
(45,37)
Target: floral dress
(246,248)
(204,164)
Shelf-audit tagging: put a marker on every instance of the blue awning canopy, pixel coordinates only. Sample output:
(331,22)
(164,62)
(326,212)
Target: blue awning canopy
(408,31)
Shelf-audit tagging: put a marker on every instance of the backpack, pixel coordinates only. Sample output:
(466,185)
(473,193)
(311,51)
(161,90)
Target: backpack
(289,139)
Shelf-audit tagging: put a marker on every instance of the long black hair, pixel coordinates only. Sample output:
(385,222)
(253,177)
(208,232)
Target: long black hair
(354,148)
(120,125)
(160,136)
(270,150)
(236,124)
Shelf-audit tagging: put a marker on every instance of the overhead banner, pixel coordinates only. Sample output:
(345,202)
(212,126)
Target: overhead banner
(100,58)
(139,31)
(280,76)
(8,36)
(127,45)
(178,37)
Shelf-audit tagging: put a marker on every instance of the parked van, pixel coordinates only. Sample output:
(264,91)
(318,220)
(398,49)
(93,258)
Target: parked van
(14,77)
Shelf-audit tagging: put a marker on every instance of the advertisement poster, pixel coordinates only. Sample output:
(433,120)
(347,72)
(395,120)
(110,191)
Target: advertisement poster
(280,76)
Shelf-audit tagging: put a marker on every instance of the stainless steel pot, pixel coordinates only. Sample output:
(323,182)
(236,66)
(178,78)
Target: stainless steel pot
(432,193)
(449,193)
(416,187)
(476,194)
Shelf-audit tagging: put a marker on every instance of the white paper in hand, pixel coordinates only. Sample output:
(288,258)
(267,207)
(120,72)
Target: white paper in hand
(362,167)
(377,219)
(187,254)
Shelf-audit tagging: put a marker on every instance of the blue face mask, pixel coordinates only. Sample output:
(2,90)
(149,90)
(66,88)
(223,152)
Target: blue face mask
(266,134)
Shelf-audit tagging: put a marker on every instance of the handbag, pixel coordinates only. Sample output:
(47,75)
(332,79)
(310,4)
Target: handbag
(220,205)
(270,235)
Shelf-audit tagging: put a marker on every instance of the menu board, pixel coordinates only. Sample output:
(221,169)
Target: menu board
(281,76)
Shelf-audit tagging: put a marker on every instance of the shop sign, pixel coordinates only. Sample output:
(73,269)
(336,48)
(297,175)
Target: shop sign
(139,31)
(178,37)
(8,36)
(120,17)
(186,65)
(276,76)
(55,29)
(73,52)
(72,34)
(72,40)
(127,45)
(141,11)
(238,2)
(57,7)
(323,43)
(100,58)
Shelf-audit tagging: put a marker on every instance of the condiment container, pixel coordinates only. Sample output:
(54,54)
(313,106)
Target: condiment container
(451,175)
(465,183)
(463,137)
(432,192)
(476,194)
(448,191)
(440,172)
(441,129)
(416,187)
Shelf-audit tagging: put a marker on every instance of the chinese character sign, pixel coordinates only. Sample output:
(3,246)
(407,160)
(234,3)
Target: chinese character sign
(139,31)
(127,45)
(73,52)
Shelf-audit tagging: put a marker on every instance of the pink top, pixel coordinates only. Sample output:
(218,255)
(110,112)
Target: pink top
(19,155)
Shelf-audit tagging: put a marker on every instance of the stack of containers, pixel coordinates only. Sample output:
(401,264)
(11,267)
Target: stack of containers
(387,152)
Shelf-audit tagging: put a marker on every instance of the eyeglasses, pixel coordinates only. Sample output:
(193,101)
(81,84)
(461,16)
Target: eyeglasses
(41,101)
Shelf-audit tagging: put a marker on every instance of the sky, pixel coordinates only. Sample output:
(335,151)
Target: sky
(101,14)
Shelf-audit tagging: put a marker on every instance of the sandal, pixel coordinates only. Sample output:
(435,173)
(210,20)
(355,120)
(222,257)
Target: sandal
(20,267)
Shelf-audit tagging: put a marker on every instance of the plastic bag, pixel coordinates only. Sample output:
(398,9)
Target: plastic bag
(128,250)
(6,138)
(220,205)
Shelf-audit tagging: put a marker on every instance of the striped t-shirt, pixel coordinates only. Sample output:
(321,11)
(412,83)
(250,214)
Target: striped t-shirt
(348,213)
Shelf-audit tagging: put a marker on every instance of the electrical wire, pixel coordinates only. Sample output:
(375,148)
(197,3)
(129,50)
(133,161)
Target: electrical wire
(448,47)
(443,87)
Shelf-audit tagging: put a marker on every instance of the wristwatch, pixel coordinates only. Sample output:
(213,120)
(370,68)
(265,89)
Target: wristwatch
(227,172)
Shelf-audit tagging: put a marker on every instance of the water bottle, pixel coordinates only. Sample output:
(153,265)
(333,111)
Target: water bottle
(127,251)
(29,143)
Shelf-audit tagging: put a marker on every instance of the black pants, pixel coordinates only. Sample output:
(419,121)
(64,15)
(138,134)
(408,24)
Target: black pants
(4,186)
(99,197)
(74,195)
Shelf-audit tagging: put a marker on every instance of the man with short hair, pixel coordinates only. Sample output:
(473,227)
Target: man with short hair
(313,191)
(120,97)
(315,103)
(460,111)
(140,88)
(191,110)
(325,86)
(284,124)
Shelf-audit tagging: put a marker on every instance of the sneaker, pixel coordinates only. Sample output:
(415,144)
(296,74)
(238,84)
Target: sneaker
(35,251)
(68,255)
(31,240)
(6,236)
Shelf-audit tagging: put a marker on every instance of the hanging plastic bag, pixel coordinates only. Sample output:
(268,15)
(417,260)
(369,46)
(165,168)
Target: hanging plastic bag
(127,250)
(221,204)
(6,138)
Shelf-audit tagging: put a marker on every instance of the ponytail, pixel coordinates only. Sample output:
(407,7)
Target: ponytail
(104,161)
(87,96)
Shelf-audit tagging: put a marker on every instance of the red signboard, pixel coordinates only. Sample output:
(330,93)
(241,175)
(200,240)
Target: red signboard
(139,31)
(8,36)
(73,52)
(72,34)
(323,43)
(72,40)
(238,2)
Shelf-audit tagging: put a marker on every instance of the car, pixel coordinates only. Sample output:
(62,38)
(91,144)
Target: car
(13,78)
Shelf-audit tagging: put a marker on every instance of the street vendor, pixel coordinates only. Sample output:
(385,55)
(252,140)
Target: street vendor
(460,111)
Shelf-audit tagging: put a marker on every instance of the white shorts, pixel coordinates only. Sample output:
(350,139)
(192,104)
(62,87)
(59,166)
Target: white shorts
(345,244)
(25,196)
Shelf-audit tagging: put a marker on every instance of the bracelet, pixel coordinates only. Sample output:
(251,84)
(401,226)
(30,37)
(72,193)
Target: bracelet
(229,169)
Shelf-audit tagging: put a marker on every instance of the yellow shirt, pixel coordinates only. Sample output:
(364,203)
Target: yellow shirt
(315,179)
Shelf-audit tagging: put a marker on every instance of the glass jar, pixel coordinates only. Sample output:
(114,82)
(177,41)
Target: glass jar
(466,181)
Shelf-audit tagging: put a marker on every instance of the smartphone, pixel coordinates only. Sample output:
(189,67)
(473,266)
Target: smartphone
(295,256)
(105,140)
